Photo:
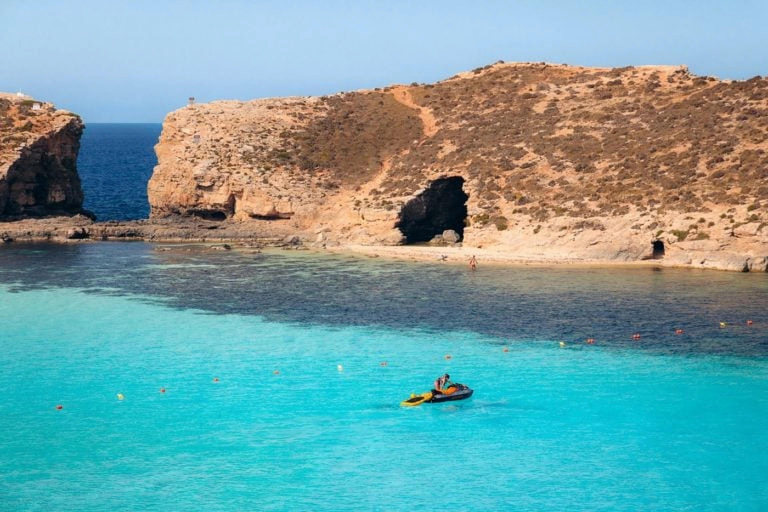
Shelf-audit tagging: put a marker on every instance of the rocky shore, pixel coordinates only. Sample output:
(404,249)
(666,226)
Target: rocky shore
(234,235)
(81,228)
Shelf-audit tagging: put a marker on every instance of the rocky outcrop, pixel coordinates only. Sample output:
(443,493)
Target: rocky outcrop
(81,228)
(38,159)
(554,162)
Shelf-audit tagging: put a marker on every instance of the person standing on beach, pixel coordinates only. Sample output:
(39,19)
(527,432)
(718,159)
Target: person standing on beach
(473,262)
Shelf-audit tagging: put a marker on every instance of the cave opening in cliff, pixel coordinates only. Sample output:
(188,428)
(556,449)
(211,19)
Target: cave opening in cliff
(216,215)
(225,210)
(441,206)
(658,250)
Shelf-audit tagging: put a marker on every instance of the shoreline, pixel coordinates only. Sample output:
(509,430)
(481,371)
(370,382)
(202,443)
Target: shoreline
(230,235)
(461,256)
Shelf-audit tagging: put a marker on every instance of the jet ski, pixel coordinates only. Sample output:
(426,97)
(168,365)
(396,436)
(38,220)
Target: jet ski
(452,392)
(455,391)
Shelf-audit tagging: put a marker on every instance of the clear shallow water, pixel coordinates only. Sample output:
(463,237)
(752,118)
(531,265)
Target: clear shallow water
(667,423)
(115,164)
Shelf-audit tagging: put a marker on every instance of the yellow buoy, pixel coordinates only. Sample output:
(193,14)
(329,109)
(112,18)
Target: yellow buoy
(562,343)
(120,396)
(722,324)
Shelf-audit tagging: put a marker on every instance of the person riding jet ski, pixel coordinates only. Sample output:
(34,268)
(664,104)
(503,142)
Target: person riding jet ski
(440,383)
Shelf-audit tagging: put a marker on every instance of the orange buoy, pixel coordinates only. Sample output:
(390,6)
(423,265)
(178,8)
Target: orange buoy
(506,349)
(590,341)
(215,379)
(636,336)
(59,407)
(276,372)
(749,322)
(162,390)
(447,356)
(383,363)
(679,331)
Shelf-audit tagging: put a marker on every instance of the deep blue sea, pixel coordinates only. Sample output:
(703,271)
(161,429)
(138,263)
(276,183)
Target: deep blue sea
(192,379)
(115,164)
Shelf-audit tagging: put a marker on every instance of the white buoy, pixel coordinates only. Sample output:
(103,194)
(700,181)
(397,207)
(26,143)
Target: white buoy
(339,367)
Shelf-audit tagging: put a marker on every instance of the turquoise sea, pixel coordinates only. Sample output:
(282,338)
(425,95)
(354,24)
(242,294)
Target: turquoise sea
(192,379)
(282,375)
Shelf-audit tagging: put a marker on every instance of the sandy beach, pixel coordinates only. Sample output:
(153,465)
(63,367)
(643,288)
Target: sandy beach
(484,256)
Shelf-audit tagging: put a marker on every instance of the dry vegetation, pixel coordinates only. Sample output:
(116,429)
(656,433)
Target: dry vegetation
(537,141)
(356,135)
(554,140)
(559,140)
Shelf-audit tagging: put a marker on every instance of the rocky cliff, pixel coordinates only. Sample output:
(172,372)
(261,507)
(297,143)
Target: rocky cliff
(38,155)
(543,161)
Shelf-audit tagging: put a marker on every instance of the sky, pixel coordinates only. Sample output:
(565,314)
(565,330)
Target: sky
(137,60)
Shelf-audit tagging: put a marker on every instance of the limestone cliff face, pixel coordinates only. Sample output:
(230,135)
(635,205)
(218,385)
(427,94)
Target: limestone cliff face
(287,159)
(543,161)
(38,155)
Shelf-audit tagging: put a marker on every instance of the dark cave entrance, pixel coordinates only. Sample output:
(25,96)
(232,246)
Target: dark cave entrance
(216,214)
(658,250)
(443,205)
